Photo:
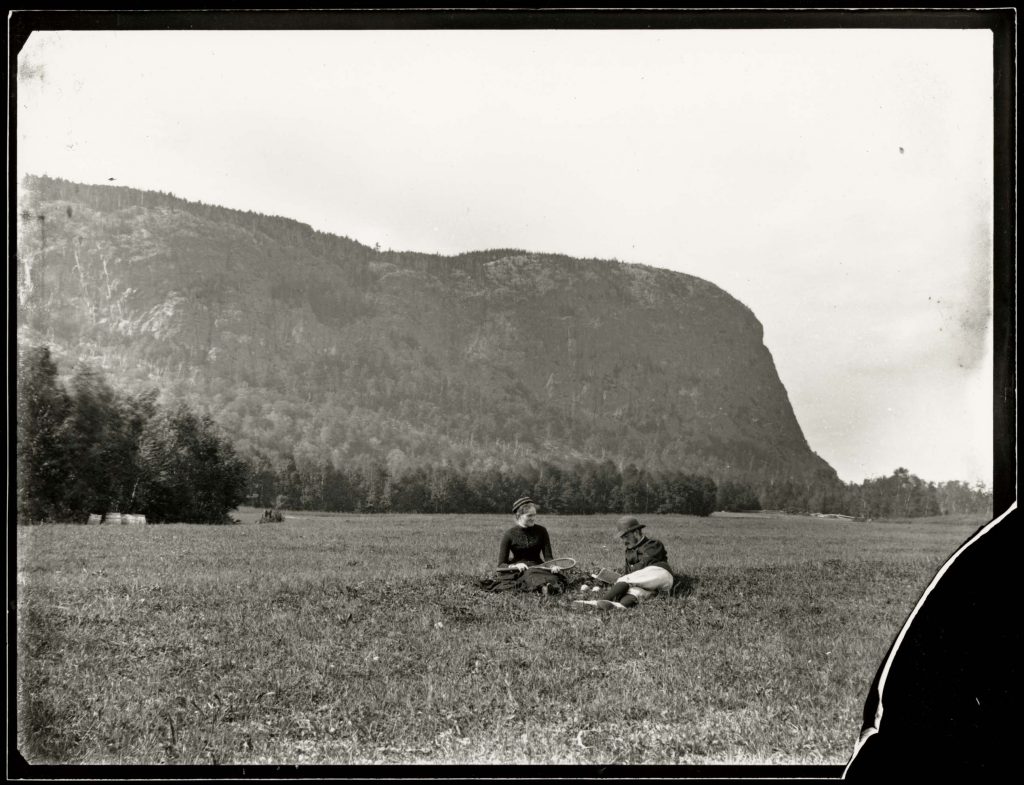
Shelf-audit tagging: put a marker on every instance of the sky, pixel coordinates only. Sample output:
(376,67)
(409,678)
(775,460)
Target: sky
(837,182)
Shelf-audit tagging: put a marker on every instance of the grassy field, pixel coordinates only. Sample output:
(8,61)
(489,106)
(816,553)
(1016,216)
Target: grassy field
(364,639)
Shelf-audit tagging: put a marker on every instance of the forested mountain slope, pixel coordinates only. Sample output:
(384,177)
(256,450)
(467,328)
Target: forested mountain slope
(305,344)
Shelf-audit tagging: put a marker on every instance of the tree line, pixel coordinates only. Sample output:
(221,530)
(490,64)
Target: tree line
(85,448)
(370,485)
(587,487)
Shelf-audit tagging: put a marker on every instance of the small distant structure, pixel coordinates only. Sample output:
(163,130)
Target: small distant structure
(124,519)
(95,519)
(272,516)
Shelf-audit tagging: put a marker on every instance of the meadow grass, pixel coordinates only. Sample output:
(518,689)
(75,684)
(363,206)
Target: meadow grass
(345,639)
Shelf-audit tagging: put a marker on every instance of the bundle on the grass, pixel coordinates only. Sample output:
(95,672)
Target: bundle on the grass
(533,579)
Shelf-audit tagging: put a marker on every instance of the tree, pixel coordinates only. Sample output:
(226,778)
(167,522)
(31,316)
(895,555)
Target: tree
(957,498)
(289,485)
(734,496)
(101,439)
(631,489)
(338,494)
(263,487)
(370,486)
(605,488)
(689,494)
(548,488)
(138,410)
(410,491)
(43,461)
(191,475)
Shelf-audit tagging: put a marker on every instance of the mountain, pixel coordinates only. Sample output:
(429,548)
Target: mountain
(305,344)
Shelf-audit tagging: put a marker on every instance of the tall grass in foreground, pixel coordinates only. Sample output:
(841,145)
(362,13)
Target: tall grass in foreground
(355,639)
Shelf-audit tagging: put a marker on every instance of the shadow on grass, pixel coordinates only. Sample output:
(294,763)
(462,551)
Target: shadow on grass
(683,586)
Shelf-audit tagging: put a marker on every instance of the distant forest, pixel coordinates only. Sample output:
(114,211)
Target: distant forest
(83,447)
(591,487)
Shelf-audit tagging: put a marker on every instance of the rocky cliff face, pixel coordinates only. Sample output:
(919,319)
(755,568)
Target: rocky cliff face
(299,341)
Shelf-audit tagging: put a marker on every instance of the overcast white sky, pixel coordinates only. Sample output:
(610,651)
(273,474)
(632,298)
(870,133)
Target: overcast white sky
(838,182)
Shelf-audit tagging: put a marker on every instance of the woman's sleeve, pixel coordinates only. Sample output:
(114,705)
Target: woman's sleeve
(547,546)
(503,550)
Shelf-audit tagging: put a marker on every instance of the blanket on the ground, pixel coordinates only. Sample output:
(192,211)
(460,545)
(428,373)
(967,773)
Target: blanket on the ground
(533,579)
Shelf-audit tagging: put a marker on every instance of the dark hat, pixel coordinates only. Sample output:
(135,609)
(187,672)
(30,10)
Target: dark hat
(626,524)
(522,500)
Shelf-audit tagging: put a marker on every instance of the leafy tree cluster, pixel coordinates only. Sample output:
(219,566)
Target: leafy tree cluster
(905,495)
(85,448)
(956,498)
(900,495)
(579,489)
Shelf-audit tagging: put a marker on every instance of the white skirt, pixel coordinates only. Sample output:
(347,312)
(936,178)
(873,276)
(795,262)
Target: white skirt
(644,582)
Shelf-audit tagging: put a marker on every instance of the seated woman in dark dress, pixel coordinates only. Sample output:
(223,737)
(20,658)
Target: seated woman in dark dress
(527,543)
